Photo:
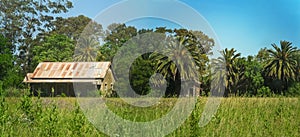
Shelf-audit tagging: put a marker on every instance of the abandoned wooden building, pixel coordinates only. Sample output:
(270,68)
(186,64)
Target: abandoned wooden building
(70,78)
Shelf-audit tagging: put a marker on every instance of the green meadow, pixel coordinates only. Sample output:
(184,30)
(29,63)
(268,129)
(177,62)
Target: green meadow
(33,116)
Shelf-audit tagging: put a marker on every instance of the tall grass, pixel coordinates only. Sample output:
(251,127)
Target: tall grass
(34,116)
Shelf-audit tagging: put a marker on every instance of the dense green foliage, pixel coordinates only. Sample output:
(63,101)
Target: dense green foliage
(55,48)
(28,116)
(21,21)
(10,73)
(282,64)
(32,32)
(6,58)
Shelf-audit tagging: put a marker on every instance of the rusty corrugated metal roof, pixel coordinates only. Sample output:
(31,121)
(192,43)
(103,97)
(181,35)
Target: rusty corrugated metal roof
(27,77)
(62,81)
(61,70)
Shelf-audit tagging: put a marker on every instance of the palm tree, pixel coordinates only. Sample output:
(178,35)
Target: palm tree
(282,63)
(225,71)
(180,53)
(297,57)
(180,58)
(86,49)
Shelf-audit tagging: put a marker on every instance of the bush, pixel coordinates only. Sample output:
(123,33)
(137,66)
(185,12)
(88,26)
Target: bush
(14,92)
(293,90)
(264,92)
(1,87)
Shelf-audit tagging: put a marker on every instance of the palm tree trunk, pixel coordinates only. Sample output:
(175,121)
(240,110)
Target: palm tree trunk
(177,84)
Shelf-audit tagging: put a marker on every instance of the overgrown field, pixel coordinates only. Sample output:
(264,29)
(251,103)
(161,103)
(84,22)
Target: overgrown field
(28,116)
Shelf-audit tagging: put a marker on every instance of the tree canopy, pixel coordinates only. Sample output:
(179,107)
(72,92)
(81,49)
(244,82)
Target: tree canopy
(21,21)
(55,48)
(32,31)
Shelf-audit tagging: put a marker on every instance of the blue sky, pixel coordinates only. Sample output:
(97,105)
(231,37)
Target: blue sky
(246,25)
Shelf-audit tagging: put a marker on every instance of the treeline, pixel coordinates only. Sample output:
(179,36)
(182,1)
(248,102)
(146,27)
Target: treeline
(36,33)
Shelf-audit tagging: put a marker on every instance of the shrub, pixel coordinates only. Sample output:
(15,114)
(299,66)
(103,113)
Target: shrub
(293,90)
(1,88)
(14,92)
(264,92)
(3,109)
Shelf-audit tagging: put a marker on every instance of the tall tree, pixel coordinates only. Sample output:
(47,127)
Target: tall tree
(10,73)
(140,72)
(6,57)
(184,42)
(227,71)
(197,38)
(282,63)
(77,27)
(199,45)
(297,57)
(263,55)
(115,37)
(56,48)
(83,31)
(20,21)
(179,51)
(253,75)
